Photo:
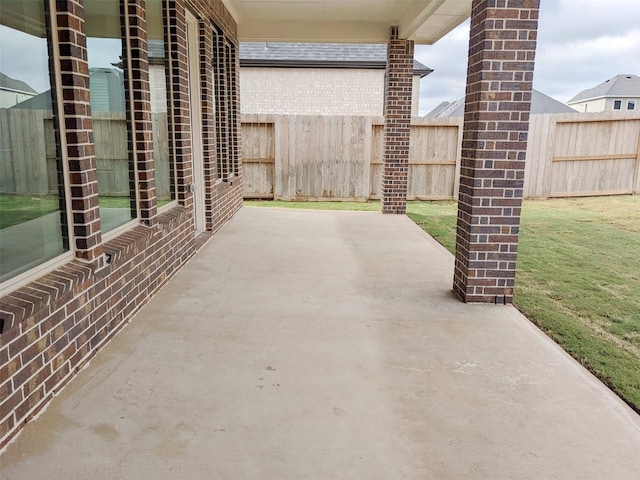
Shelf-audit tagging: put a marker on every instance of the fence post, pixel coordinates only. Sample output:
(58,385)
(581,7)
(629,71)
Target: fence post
(636,174)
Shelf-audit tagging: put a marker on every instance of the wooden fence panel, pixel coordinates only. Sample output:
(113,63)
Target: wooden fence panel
(542,130)
(594,155)
(318,157)
(161,155)
(112,153)
(377,155)
(23,152)
(258,156)
(433,153)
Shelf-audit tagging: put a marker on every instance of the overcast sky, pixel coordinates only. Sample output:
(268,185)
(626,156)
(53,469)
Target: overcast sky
(581,43)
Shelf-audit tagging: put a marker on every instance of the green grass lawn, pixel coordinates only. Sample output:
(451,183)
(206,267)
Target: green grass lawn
(16,209)
(578,275)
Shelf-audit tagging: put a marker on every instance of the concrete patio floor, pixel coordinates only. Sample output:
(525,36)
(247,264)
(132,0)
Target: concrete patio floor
(327,345)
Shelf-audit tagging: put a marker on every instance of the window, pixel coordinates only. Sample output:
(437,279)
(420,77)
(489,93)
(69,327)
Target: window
(226,114)
(631,105)
(617,104)
(33,219)
(115,170)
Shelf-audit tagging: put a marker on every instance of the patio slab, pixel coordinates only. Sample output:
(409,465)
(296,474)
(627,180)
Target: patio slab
(327,345)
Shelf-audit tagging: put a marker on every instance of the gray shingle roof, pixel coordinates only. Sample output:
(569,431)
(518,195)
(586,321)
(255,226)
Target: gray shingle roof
(540,103)
(626,85)
(12,84)
(336,55)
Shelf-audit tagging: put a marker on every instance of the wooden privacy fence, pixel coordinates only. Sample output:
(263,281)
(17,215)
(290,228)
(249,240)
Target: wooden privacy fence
(28,153)
(340,158)
(580,154)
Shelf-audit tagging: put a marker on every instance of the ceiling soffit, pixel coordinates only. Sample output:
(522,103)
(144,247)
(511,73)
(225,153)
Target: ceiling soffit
(357,21)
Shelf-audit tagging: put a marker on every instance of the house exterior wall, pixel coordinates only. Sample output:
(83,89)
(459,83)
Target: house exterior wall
(157,82)
(311,91)
(9,98)
(598,105)
(415,96)
(54,323)
(315,91)
(606,104)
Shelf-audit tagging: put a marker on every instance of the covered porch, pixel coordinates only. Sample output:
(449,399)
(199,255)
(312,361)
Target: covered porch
(287,349)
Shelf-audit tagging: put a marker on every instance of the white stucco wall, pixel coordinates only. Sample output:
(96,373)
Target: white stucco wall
(315,91)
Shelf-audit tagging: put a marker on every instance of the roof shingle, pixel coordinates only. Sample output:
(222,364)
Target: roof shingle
(338,55)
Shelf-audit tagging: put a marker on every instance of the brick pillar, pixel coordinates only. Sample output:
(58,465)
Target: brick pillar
(78,139)
(179,118)
(138,96)
(496,121)
(397,118)
(208,118)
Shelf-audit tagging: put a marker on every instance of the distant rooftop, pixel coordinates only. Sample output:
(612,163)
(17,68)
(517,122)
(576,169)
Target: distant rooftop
(8,83)
(540,103)
(333,55)
(626,85)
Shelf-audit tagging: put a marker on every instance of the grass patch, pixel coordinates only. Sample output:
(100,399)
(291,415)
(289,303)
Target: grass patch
(578,276)
(16,209)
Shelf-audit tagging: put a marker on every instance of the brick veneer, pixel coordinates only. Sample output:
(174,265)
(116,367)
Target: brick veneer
(53,325)
(397,120)
(78,130)
(138,95)
(496,120)
(221,148)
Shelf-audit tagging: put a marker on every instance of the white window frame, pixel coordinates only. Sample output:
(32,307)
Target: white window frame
(52,264)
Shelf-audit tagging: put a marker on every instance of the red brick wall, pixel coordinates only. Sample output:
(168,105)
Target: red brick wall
(397,119)
(52,326)
(496,121)
(223,199)
(138,95)
(78,128)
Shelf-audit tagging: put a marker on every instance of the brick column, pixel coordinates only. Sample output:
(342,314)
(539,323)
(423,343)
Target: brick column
(397,118)
(78,139)
(179,119)
(138,97)
(496,121)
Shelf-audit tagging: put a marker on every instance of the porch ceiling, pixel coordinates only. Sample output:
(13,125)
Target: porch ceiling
(357,21)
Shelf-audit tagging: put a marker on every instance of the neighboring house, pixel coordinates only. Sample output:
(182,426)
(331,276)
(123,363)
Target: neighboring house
(317,78)
(620,93)
(540,103)
(106,92)
(13,91)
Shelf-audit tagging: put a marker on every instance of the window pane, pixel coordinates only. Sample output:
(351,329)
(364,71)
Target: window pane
(165,186)
(631,105)
(32,218)
(617,104)
(116,179)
